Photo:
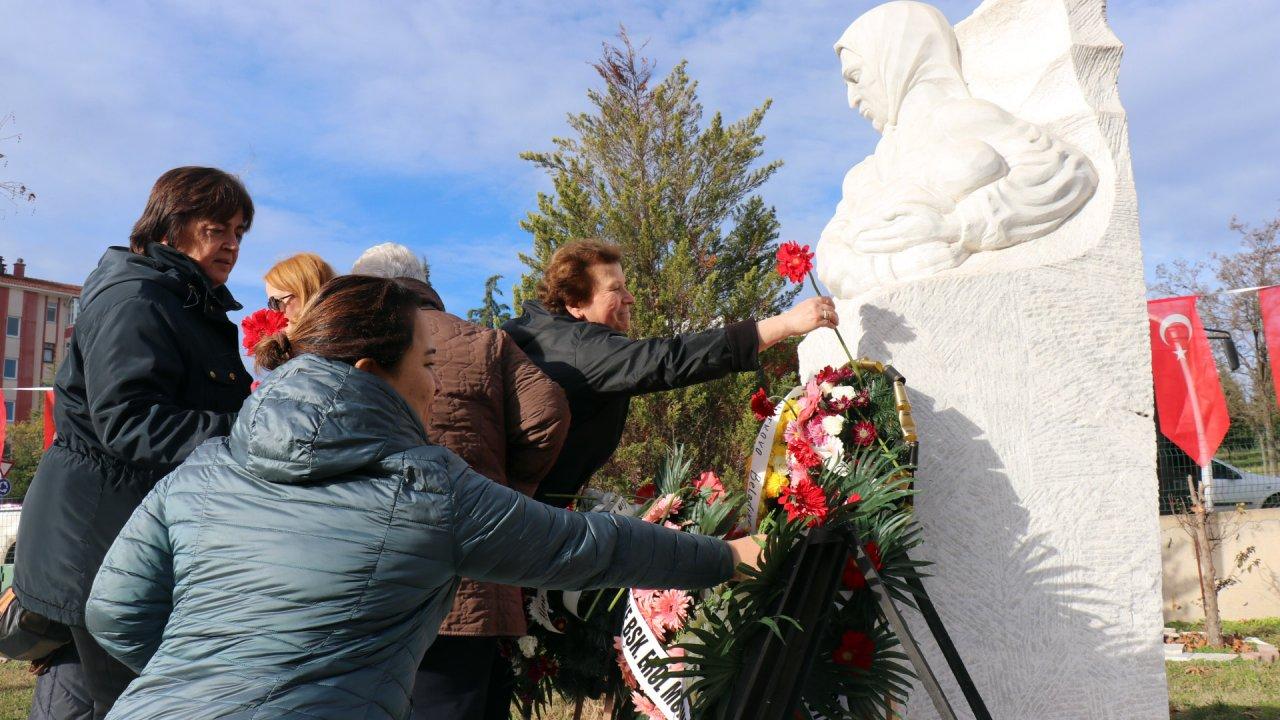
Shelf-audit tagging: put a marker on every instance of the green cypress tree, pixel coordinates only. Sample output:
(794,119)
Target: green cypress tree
(644,173)
(491,313)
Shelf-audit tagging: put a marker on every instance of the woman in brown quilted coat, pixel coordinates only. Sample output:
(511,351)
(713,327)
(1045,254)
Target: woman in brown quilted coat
(501,414)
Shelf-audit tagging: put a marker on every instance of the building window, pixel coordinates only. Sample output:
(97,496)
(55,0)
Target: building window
(49,350)
(10,369)
(9,410)
(11,327)
(51,311)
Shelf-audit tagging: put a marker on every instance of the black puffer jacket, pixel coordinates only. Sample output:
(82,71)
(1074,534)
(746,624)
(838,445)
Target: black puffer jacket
(154,370)
(601,369)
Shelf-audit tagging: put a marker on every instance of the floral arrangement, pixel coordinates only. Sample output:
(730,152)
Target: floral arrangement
(833,453)
(572,650)
(260,324)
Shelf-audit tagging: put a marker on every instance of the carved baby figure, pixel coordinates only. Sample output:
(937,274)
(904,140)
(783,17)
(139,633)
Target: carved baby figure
(952,175)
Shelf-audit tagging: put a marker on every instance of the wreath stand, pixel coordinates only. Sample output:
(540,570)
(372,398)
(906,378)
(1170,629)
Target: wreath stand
(772,681)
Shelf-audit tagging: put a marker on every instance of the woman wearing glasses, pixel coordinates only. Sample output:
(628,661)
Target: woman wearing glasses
(295,280)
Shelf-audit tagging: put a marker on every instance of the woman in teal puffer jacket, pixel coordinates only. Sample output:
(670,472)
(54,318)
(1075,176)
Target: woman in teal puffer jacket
(300,567)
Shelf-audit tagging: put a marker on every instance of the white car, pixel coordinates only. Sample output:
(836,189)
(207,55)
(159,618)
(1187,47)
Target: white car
(1233,486)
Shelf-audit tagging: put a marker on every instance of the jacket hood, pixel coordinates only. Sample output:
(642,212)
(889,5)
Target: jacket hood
(163,265)
(315,419)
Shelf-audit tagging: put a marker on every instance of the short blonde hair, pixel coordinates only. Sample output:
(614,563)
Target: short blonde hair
(302,274)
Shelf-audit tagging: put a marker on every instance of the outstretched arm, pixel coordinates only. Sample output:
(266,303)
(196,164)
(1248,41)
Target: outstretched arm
(502,536)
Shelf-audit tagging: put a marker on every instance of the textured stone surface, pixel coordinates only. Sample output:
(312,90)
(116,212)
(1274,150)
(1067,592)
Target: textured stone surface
(1029,373)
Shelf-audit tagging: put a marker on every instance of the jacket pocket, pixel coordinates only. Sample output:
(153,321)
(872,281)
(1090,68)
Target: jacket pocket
(224,383)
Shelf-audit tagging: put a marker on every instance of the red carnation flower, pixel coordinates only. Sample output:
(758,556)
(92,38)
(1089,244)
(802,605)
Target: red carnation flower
(542,667)
(852,576)
(864,433)
(794,261)
(760,405)
(862,399)
(260,324)
(802,452)
(709,484)
(856,649)
(646,491)
(832,375)
(804,500)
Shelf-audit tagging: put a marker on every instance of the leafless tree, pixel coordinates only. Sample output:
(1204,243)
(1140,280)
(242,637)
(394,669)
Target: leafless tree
(16,192)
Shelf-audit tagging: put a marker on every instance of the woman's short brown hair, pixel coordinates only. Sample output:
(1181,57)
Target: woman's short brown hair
(302,274)
(566,280)
(352,317)
(185,194)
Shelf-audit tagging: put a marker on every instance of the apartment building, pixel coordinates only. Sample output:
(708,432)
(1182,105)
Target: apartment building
(39,315)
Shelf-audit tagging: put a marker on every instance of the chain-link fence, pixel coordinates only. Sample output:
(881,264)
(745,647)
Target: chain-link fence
(9,516)
(1242,477)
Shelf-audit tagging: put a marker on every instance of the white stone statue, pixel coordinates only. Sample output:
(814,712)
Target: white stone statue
(953,175)
(1029,367)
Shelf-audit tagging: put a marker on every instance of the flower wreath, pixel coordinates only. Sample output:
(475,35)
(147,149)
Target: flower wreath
(832,453)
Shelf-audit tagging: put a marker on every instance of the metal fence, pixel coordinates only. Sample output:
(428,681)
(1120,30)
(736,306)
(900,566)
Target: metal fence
(1242,477)
(10,513)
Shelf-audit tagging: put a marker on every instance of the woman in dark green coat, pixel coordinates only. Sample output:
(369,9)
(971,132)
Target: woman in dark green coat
(300,568)
(153,371)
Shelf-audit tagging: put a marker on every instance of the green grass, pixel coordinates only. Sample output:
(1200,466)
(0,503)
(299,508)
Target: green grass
(16,684)
(1235,690)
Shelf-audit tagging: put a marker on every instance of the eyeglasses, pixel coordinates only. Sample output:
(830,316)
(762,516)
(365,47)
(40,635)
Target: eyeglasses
(276,304)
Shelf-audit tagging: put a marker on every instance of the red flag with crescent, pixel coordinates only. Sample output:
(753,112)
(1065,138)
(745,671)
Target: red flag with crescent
(1189,400)
(1269,300)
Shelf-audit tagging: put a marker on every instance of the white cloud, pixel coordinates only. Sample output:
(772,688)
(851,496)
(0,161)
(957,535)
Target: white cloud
(354,123)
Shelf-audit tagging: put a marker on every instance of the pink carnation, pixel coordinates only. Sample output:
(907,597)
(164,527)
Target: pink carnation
(644,601)
(645,706)
(628,677)
(662,508)
(676,652)
(669,608)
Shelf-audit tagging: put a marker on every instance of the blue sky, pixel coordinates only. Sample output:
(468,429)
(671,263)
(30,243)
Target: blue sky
(354,124)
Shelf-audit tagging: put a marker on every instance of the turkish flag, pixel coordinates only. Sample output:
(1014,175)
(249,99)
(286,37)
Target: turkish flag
(48,419)
(1189,400)
(1269,300)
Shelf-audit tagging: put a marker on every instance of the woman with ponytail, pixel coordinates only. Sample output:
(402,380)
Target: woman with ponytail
(300,567)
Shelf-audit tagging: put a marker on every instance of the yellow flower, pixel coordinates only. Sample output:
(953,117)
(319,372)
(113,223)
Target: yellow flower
(773,485)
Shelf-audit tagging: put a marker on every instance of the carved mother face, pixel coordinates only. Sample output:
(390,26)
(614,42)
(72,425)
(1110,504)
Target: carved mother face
(866,92)
(891,50)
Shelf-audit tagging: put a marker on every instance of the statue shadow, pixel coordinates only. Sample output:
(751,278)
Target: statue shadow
(1018,615)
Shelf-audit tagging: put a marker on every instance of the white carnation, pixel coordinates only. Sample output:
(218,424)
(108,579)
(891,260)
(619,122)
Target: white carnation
(842,392)
(833,424)
(528,644)
(834,448)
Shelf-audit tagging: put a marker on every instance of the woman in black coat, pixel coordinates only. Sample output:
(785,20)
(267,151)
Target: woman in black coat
(154,370)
